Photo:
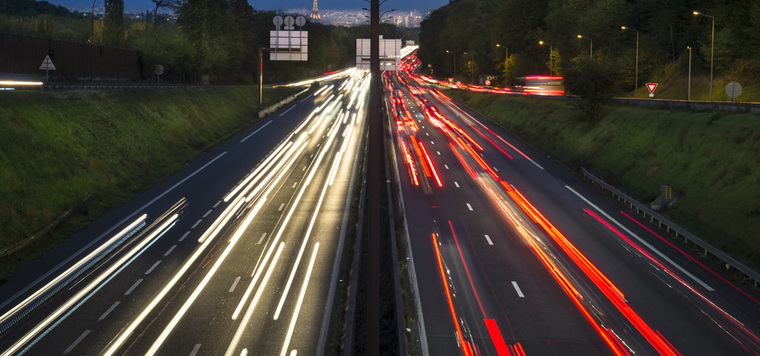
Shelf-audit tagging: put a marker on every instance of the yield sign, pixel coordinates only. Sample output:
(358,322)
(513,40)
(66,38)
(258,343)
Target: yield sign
(47,64)
(651,87)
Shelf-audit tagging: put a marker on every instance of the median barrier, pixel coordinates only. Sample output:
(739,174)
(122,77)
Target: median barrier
(272,108)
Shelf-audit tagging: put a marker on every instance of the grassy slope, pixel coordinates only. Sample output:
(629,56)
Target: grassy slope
(711,161)
(673,83)
(56,148)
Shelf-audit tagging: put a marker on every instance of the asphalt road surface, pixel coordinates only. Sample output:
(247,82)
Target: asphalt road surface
(515,255)
(235,255)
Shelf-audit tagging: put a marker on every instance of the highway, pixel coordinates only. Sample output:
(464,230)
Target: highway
(515,255)
(234,255)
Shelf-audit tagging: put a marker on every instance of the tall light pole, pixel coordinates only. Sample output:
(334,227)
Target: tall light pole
(688,95)
(712,47)
(551,57)
(376,172)
(636,81)
(506,58)
(591,51)
(472,67)
(92,39)
(455,63)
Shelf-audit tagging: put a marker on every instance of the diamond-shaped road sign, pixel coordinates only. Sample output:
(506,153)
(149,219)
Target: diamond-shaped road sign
(651,87)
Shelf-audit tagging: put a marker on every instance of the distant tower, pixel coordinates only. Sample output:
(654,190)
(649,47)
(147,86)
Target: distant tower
(315,12)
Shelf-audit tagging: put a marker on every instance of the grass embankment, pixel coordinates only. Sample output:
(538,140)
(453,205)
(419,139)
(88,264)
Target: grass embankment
(57,148)
(711,160)
(673,83)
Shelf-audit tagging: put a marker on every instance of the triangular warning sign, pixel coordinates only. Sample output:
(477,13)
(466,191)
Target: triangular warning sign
(651,87)
(47,64)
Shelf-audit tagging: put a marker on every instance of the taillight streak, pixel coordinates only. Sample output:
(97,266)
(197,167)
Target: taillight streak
(432,168)
(465,346)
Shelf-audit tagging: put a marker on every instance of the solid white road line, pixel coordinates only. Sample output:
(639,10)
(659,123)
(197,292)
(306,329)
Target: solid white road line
(208,212)
(234,284)
(76,342)
(195,349)
(457,184)
(469,206)
(108,311)
(196,223)
(517,288)
(183,236)
(286,111)
(262,238)
(133,287)
(265,125)
(489,240)
(153,267)
(666,258)
(170,250)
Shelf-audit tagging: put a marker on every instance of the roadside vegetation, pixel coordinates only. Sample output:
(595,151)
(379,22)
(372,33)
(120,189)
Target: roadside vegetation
(56,149)
(711,160)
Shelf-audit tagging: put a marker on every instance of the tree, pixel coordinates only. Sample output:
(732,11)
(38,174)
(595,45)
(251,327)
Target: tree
(113,34)
(162,4)
(593,81)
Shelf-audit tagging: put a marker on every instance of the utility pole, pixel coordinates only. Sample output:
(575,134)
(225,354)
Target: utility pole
(375,173)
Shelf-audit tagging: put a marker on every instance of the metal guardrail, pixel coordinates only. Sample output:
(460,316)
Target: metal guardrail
(125,86)
(704,106)
(673,227)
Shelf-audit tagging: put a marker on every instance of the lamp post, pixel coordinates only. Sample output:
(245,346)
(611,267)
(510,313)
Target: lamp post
(636,81)
(455,63)
(688,93)
(506,58)
(712,48)
(551,57)
(472,68)
(591,51)
(92,39)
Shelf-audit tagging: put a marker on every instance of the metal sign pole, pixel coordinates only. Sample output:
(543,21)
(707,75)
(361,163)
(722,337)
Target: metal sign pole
(375,174)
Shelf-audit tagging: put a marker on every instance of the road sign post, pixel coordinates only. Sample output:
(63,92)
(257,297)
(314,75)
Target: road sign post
(47,65)
(651,87)
(159,71)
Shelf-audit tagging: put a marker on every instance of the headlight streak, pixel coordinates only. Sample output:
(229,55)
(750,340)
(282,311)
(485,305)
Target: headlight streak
(313,218)
(348,72)
(263,166)
(225,216)
(246,319)
(21,342)
(292,326)
(235,237)
(93,292)
(72,269)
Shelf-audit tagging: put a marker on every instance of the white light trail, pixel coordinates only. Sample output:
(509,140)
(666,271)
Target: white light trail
(300,301)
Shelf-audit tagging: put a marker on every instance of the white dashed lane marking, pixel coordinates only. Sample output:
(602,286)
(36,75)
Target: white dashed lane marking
(519,291)
(469,206)
(153,267)
(133,287)
(489,240)
(109,311)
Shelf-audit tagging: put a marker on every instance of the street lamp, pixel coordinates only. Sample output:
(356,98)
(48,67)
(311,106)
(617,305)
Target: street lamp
(591,51)
(92,39)
(636,81)
(712,45)
(455,63)
(472,70)
(688,95)
(551,58)
(506,58)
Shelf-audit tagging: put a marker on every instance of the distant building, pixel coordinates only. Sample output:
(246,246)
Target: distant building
(315,13)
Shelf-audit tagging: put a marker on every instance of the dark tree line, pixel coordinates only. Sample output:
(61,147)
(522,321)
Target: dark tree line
(216,39)
(666,28)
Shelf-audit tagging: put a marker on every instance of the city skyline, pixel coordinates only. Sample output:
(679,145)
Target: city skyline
(132,6)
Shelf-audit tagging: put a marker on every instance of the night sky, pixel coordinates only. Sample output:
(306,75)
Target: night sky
(141,5)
